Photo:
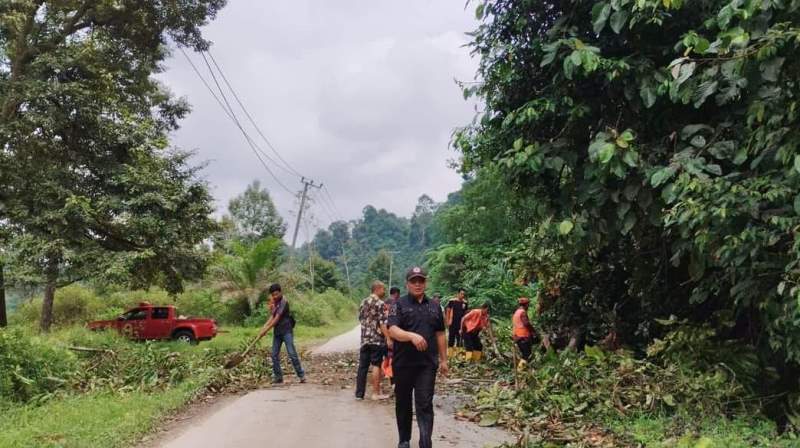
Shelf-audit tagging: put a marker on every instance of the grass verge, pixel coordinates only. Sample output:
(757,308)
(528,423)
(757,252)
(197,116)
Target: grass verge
(119,418)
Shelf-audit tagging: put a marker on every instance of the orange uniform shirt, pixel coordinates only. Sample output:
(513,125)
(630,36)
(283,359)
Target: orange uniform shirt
(521,324)
(475,320)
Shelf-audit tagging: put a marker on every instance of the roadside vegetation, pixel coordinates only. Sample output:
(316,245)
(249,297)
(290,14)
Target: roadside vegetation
(123,389)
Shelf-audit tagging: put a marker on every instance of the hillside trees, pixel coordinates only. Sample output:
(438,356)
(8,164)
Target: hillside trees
(90,186)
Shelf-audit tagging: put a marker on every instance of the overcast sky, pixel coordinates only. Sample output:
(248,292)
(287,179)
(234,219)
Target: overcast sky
(359,95)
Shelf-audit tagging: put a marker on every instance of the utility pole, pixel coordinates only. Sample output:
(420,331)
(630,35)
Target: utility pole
(306,184)
(391,262)
(347,272)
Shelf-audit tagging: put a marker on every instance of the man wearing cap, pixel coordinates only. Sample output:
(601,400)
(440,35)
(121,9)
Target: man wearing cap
(282,320)
(523,331)
(374,339)
(416,324)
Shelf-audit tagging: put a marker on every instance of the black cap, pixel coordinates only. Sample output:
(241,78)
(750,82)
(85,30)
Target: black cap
(416,271)
(274,287)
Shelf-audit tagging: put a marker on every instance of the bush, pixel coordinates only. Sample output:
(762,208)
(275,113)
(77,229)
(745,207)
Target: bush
(73,304)
(30,368)
(312,310)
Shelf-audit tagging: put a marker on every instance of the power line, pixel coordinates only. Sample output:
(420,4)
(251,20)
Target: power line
(333,203)
(249,117)
(229,112)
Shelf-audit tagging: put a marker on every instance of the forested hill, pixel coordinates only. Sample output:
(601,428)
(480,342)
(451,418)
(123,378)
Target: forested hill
(368,247)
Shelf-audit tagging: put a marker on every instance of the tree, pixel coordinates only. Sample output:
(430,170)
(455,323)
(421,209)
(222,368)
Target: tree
(378,268)
(659,140)
(246,270)
(419,236)
(255,216)
(93,187)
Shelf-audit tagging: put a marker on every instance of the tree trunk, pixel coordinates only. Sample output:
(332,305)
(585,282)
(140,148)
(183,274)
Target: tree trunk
(3,317)
(51,276)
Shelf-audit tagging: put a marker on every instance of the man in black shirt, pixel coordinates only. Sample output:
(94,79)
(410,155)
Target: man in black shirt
(283,322)
(455,311)
(416,324)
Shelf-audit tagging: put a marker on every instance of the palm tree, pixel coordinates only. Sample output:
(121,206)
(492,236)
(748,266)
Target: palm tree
(245,271)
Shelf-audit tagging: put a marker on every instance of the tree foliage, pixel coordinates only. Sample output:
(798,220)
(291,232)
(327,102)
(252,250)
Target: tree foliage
(254,215)
(89,183)
(653,146)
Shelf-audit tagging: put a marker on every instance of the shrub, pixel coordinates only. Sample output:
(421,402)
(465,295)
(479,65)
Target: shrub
(73,304)
(31,368)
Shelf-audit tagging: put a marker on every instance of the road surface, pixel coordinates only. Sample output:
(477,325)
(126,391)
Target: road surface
(315,416)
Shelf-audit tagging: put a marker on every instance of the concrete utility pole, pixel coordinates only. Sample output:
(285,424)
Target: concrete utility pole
(347,272)
(391,263)
(306,184)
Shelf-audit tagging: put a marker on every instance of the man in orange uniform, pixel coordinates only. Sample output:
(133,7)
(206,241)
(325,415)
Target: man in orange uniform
(523,330)
(471,326)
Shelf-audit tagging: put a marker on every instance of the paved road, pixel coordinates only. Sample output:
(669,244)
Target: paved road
(313,416)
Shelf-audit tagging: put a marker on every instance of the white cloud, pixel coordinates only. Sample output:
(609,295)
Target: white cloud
(359,95)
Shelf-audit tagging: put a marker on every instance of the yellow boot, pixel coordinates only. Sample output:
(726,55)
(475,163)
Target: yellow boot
(467,356)
(450,352)
(476,356)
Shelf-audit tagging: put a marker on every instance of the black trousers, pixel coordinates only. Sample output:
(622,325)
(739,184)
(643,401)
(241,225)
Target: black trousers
(525,347)
(369,355)
(420,381)
(454,337)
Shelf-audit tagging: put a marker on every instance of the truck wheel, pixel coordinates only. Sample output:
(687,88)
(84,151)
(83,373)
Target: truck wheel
(185,336)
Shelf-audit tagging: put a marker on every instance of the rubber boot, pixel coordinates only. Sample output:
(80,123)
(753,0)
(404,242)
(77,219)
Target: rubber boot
(476,356)
(468,356)
(450,352)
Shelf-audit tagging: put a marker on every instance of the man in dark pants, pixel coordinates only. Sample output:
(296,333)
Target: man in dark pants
(416,325)
(455,311)
(283,322)
(374,339)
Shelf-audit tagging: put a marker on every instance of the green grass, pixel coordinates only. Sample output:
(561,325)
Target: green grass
(90,420)
(104,419)
(718,432)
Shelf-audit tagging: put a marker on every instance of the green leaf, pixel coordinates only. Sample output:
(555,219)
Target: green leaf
(630,221)
(662,175)
(618,20)
(606,153)
(669,400)
(698,141)
(600,13)
(518,144)
(631,158)
(565,227)
(741,156)
(479,11)
(797,163)
(648,95)
(489,419)
(797,204)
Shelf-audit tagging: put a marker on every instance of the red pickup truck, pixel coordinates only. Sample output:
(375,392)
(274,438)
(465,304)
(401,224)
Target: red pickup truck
(159,322)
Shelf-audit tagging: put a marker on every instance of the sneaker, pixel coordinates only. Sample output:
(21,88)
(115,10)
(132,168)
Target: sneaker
(303,380)
(359,398)
(277,381)
(404,445)
(376,397)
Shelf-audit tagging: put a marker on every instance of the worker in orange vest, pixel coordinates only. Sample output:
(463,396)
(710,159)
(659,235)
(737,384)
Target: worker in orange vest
(523,331)
(471,326)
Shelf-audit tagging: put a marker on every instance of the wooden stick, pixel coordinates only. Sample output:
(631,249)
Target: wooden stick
(90,349)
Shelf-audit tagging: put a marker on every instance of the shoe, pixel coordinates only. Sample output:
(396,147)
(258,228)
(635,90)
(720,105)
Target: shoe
(359,398)
(303,380)
(277,381)
(404,445)
(376,397)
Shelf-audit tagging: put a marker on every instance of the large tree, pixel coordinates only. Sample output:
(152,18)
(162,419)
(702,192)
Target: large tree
(660,140)
(90,184)
(254,215)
